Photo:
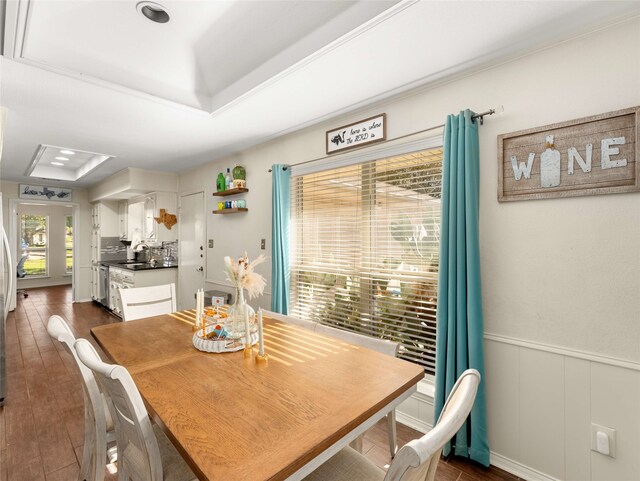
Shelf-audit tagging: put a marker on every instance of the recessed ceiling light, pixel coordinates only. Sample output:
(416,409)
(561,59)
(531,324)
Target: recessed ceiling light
(62,158)
(67,152)
(57,163)
(153,11)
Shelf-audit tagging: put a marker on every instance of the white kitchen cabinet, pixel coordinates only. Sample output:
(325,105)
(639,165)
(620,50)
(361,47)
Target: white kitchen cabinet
(142,217)
(123,214)
(149,230)
(104,217)
(95,282)
(135,213)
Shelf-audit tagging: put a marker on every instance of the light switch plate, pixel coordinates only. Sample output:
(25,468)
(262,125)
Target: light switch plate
(611,434)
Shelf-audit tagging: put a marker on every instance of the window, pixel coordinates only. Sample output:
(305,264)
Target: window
(365,246)
(68,244)
(34,246)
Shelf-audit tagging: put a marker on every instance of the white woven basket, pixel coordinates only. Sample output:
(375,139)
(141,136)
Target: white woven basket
(223,345)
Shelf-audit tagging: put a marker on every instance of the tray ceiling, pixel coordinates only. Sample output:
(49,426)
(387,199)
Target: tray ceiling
(220,77)
(208,53)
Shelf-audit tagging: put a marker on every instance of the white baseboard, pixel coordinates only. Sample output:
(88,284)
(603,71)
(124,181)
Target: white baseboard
(83,300)
(497,460)
(517,469)
(413,423)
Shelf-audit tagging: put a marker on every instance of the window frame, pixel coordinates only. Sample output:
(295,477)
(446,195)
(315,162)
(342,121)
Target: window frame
(46,251)
(66,271)
(433,140)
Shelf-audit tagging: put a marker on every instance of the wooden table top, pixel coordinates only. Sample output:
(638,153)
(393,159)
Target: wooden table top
(233,419)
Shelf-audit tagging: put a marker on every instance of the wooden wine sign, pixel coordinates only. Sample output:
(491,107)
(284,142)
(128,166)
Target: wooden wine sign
(588,156)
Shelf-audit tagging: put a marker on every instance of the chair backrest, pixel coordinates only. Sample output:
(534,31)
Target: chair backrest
(59,330)
(418,459)
(150,301)
(134,433)
(384,346)
(290,320)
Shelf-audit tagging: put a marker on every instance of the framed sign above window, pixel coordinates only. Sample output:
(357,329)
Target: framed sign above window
(364,132)
(40,192)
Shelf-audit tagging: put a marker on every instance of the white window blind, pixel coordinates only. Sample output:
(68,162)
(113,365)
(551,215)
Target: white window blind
(365,244)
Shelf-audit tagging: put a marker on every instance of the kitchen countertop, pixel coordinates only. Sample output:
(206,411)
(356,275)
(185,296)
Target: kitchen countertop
(138,266)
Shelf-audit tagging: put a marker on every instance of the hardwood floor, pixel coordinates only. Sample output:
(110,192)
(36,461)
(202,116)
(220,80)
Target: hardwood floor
(41,424)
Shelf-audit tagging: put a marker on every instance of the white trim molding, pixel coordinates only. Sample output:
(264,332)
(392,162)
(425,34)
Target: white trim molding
(517,469)
(564,351)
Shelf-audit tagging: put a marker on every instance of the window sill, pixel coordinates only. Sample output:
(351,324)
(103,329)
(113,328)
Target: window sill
(28,278)
(427,387)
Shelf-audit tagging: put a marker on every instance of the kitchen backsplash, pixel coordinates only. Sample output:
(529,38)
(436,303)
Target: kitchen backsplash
(111,249)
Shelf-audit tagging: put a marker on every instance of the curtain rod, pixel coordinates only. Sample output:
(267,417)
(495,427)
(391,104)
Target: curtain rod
(473,118)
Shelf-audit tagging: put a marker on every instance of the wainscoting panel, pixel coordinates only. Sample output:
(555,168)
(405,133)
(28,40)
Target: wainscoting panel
(542,409)
(615,403)
(577,421)
(541,401)
(503,398)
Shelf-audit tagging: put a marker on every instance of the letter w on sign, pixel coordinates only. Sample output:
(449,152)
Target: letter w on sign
(521,168)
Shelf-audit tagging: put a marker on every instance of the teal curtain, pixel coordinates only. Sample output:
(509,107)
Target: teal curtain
(280,200)
(459,316)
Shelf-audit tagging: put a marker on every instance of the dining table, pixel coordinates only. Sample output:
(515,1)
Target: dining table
(235,419)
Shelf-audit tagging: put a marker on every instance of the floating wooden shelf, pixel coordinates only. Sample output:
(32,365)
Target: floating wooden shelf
(224,193)
(235,210)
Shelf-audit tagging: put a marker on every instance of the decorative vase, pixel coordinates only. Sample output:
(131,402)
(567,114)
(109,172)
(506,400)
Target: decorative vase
(238,314)
(239,177)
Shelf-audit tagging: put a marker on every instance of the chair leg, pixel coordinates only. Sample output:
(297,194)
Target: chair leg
(357,443)
(86,468)
(393,440)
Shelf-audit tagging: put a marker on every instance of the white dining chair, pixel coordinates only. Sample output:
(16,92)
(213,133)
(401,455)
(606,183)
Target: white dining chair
(290,320)
(383,346)
(144,451)
(418,459)
(98,424)
(139,302)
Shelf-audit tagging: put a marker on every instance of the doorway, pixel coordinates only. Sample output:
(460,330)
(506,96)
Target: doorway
(192,254)
(43,243)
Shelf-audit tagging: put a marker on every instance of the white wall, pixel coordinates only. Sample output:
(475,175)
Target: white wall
(56,256)
(82,261)
(561,277)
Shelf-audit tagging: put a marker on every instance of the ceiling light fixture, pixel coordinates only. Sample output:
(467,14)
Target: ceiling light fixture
(153,11)
(57,163)
(62,158)
(67,152)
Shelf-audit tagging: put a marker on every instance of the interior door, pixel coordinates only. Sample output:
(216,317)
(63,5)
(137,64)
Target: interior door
(191,253)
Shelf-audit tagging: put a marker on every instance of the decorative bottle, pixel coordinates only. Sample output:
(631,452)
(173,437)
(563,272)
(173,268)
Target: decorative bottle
(238,314)
(220,183)
(228,180)
(550,165)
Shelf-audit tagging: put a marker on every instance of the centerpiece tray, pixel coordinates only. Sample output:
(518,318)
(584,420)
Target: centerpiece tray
(201,343)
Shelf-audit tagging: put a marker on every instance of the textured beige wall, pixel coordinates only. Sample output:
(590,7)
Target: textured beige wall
(560,271)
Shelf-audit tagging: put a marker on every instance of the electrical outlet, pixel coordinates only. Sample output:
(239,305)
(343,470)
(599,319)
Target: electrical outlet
(609,442)
(210,243)
(263,244)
